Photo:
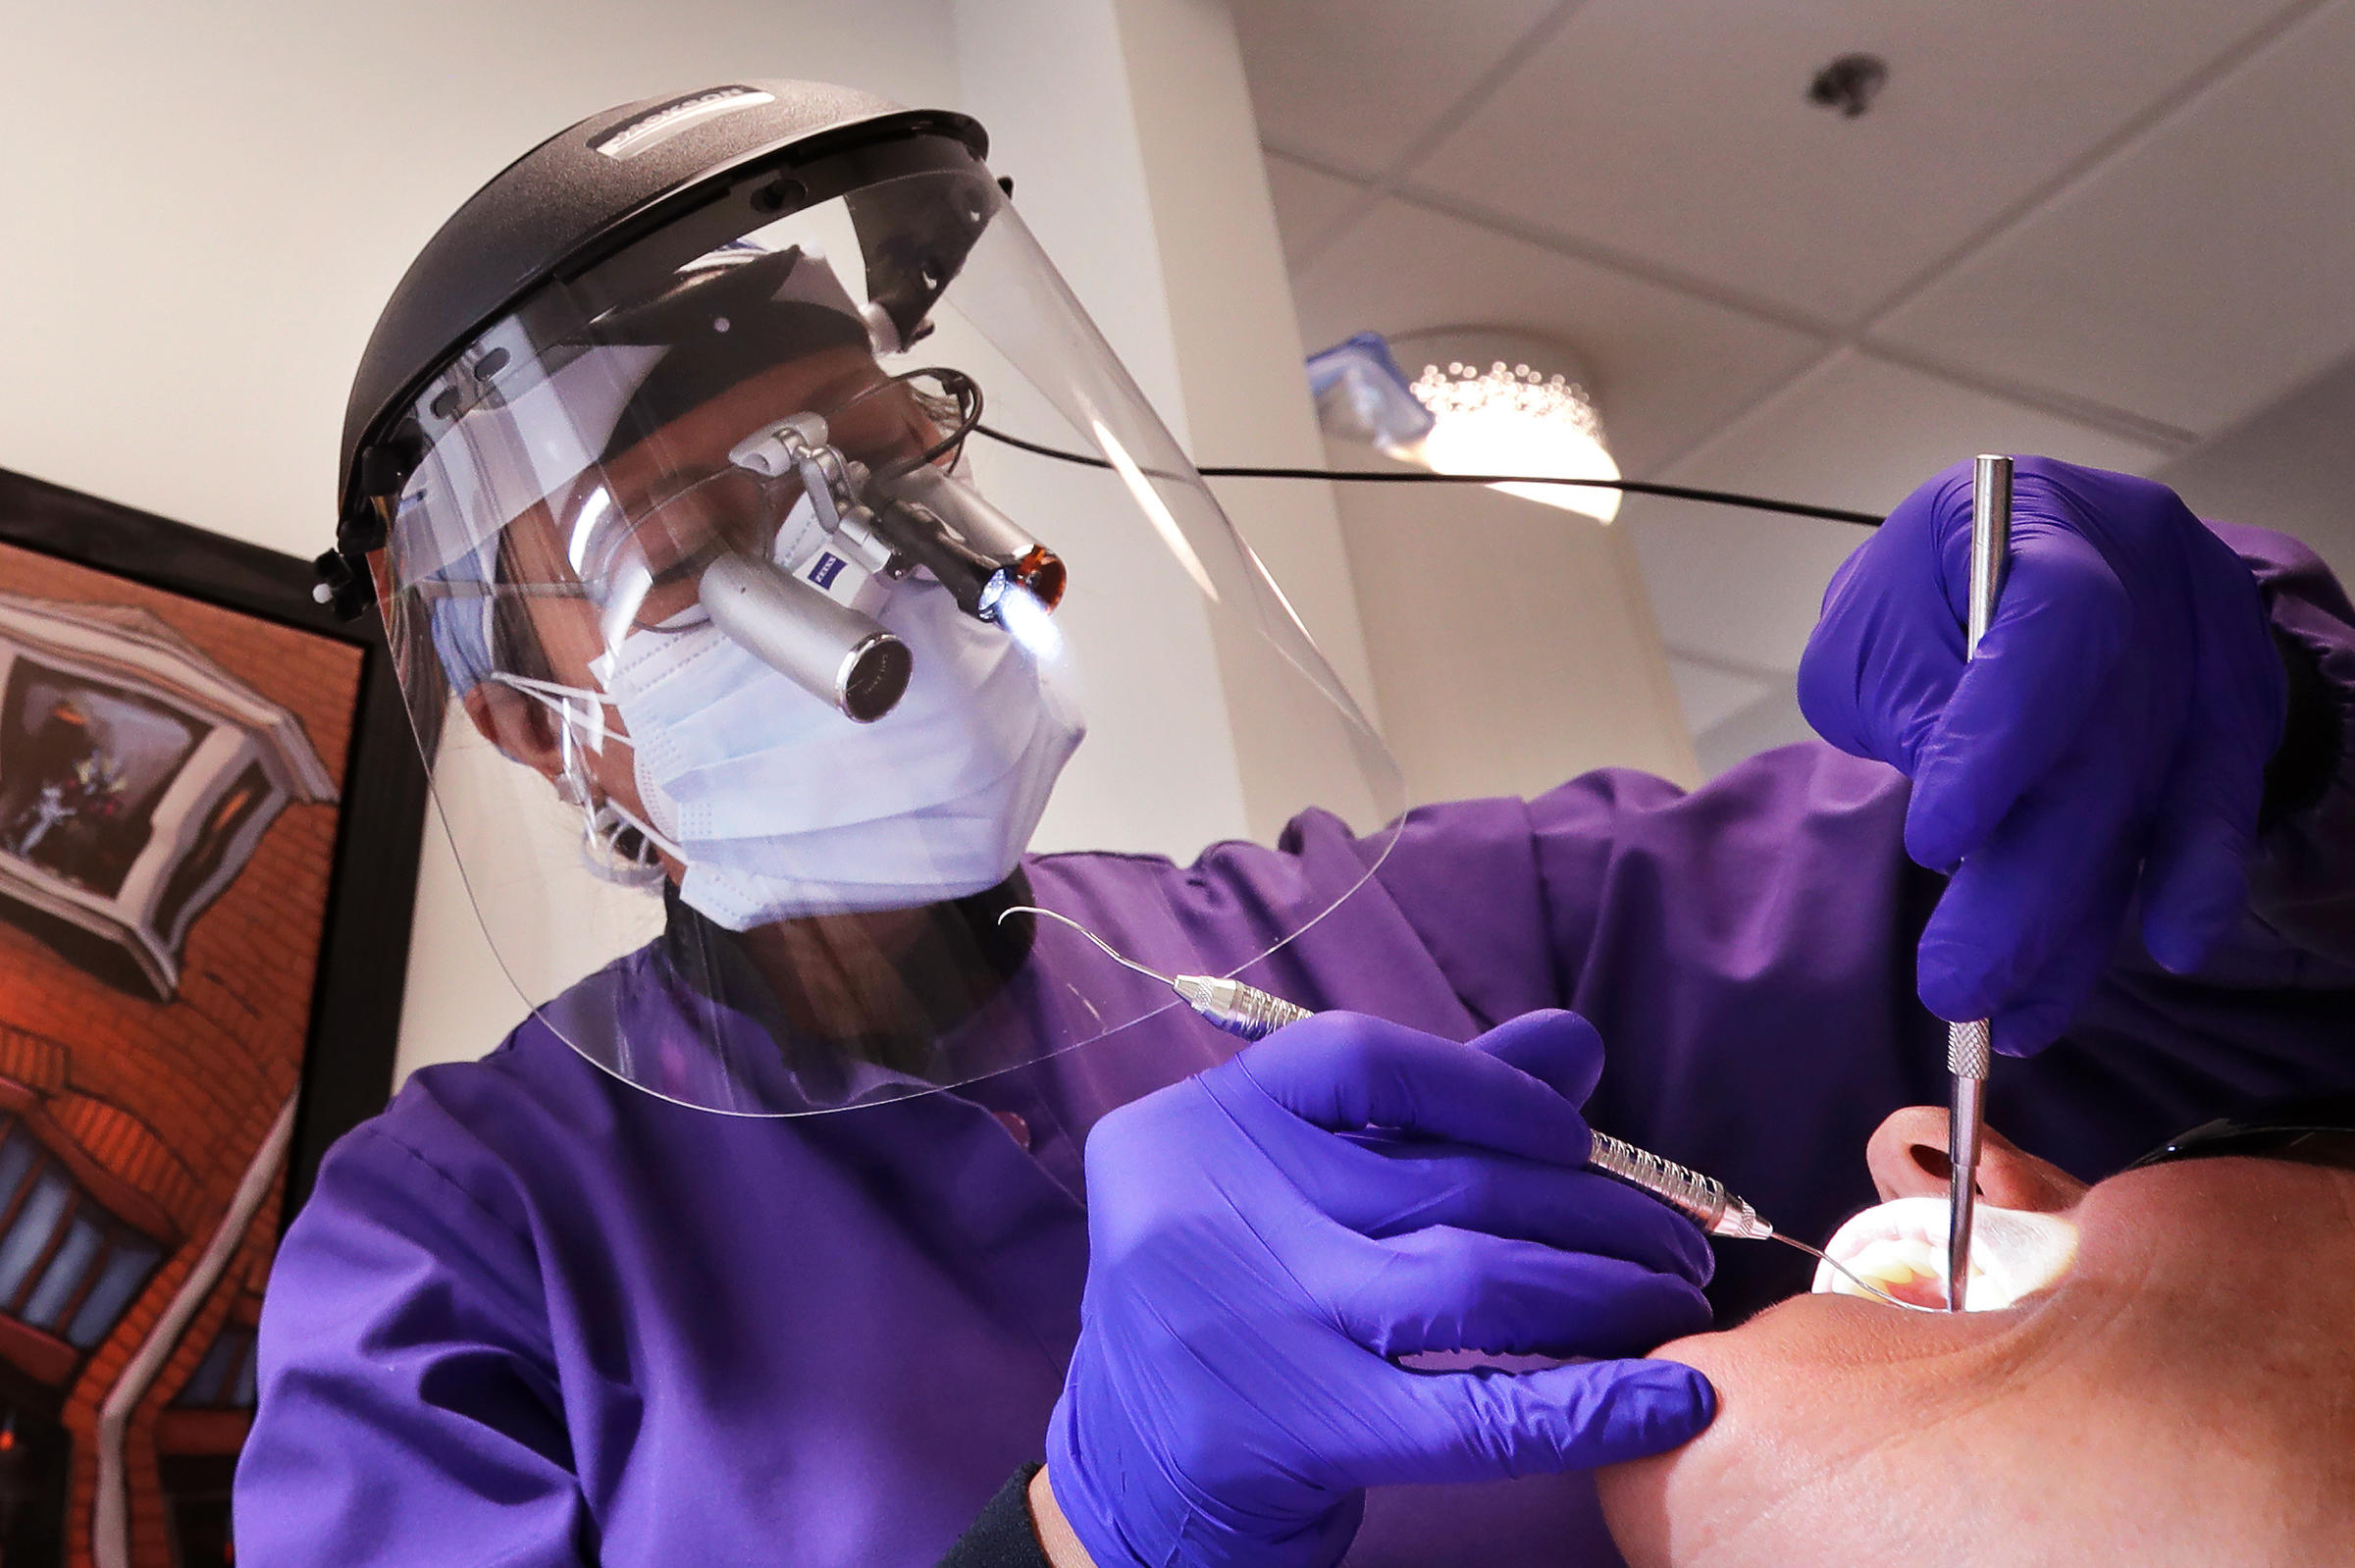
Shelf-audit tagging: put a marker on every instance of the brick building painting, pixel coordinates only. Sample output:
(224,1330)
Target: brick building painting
(169,773)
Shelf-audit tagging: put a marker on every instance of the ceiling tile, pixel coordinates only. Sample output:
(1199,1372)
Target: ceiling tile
(1308,205)
(2206,269)
(1859,431)
(1665,368)
(2289,467)
(1353,84)
(1679,130)
(1742,587)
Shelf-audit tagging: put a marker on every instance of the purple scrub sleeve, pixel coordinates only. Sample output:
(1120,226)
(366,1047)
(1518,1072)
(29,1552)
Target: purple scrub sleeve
(2302,876)
(533,1314)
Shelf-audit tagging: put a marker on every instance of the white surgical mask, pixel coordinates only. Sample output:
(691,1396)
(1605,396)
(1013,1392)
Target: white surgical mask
(780,807)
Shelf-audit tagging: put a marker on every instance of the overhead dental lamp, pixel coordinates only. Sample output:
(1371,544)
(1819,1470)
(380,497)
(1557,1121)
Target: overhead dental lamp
(1471,400)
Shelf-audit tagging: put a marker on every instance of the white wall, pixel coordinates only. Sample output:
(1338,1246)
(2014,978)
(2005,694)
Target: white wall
(1230,312)
(223,196)
(207,205)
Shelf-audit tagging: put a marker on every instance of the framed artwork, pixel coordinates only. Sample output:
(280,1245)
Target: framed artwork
(210,809)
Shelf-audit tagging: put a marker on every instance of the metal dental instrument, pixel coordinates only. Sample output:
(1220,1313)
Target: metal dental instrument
(1247,1012)
(1967,1045)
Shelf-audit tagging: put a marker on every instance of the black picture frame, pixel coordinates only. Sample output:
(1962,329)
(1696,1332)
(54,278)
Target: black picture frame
(356,996)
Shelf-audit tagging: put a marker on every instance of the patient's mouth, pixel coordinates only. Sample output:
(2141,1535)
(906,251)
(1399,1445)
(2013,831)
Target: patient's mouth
(1900,1247)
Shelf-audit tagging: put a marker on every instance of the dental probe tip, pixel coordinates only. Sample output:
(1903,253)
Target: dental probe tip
(1111,951)
(1967,1058)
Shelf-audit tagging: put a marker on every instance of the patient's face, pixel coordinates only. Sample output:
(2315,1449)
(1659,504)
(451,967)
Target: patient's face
(2184,1394)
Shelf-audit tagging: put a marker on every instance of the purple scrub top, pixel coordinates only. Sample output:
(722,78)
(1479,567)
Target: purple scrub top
(531,1315)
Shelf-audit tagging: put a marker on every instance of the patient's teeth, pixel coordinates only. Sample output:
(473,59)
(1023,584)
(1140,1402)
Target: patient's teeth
(1900,1266)
(1901,1248)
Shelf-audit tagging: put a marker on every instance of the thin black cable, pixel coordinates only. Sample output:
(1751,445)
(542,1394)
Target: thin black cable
(1633,487)
(960,386)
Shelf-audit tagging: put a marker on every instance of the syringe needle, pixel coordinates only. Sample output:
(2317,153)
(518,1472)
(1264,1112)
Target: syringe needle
(1861,1283)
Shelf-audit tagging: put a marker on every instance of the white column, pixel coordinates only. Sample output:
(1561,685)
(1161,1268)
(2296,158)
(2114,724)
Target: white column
(1127,131)
(1516,644)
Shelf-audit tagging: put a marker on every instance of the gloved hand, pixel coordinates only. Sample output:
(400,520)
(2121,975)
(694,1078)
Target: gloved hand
(1255,1259)
(2109,741)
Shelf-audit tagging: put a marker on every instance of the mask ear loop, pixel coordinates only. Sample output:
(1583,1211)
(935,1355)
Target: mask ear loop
(617,850)
(612,848)
(615,847)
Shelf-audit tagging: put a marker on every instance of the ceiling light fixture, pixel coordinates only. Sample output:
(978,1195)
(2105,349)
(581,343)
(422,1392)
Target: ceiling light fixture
(1479,400)
(1511,403)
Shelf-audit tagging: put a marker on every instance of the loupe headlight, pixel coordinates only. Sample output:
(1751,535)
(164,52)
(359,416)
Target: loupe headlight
(976,550)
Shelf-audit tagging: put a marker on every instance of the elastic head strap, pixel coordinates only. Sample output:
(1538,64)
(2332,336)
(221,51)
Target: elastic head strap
(2306,1129)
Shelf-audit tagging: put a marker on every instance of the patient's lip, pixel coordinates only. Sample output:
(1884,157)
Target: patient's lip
(1900,1247)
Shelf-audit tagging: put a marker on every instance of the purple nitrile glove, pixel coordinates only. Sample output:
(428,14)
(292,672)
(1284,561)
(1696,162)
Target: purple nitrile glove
(2108,741)
(1256,1259)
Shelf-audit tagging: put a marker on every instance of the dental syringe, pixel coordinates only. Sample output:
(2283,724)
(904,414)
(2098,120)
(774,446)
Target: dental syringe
(1251,1014)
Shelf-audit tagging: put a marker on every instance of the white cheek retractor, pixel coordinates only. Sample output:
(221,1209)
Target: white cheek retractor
(1898,1248)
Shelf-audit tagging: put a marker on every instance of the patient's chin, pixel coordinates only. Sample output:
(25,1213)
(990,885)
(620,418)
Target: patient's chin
(1898,1248)
(1700,1506)
(1817,1404)
(1635,1507)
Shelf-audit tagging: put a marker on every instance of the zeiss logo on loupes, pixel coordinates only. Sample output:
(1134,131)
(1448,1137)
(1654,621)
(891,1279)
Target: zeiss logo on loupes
(844,581)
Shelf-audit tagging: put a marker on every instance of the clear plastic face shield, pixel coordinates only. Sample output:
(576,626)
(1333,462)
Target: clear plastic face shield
(750,669)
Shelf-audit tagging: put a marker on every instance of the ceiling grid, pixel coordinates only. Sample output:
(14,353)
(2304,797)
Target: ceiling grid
(1299,68)
(2107,232)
